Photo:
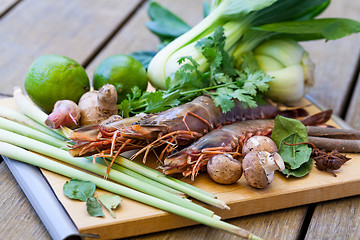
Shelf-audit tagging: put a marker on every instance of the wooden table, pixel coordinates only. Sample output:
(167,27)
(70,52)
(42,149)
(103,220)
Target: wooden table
(89,31)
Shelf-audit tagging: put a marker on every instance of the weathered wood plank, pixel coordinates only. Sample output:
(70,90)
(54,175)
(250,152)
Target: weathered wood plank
(134,36)
(338,219)
(335,60)
(17,217)
(284,224)
(75,29)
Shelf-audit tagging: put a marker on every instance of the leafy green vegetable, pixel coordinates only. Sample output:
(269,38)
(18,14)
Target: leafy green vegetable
(294,156)
(165,24)
(303,170)
(202,60)
(94,207)
(327,28)
(206,9)
(284,127)
(110,202)
(144,57)
(78,189)
(224,82)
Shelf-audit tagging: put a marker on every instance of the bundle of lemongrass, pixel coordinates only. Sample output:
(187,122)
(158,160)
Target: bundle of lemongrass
(24,137)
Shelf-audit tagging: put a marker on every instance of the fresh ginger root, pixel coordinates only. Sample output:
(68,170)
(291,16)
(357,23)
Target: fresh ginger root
(97,106)
(65,113)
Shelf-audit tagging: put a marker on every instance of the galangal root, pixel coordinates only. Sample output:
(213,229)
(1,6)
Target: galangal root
(97,106)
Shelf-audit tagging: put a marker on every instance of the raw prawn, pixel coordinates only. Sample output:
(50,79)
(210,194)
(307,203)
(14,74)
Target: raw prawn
(227,139)
(177,126)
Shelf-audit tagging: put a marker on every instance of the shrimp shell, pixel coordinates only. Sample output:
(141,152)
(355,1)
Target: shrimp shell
(177,126)
(229,138)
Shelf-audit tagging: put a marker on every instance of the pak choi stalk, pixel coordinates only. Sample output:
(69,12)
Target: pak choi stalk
(289,65)
(225,12)
(246,24)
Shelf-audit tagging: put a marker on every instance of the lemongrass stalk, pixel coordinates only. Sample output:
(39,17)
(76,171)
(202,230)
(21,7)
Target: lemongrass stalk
(23,155)
(99,169)
(31,133)
(18,117)
(142,178)
(195,193)
(174,182)
(33,112)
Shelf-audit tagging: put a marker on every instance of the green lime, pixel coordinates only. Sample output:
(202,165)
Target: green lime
(122,71)
(54,77)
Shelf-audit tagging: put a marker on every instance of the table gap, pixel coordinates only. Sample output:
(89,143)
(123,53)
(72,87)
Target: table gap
(306,222)
(10,8)
(351,90)
(112,34)
(4,95)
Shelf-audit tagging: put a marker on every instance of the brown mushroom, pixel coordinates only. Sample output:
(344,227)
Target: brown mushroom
(259,143)
(259,167)
(224,169)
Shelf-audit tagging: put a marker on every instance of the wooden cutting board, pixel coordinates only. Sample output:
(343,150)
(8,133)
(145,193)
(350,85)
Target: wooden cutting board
(134,218)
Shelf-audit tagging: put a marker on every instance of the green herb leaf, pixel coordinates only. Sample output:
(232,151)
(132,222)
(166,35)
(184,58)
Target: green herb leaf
(124,108)
(157,102)
(78,189)
(303,170)
(294,156)
(223,81)
(284,127)
(110,202)
(94,207)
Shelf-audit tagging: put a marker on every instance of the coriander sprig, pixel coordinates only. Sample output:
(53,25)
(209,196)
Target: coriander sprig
(223,81)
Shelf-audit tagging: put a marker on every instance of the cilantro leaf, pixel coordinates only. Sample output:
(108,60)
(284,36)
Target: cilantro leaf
(223,81)
(157,102)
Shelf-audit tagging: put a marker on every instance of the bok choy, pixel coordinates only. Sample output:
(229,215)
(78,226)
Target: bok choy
(246,24)
(289,65)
